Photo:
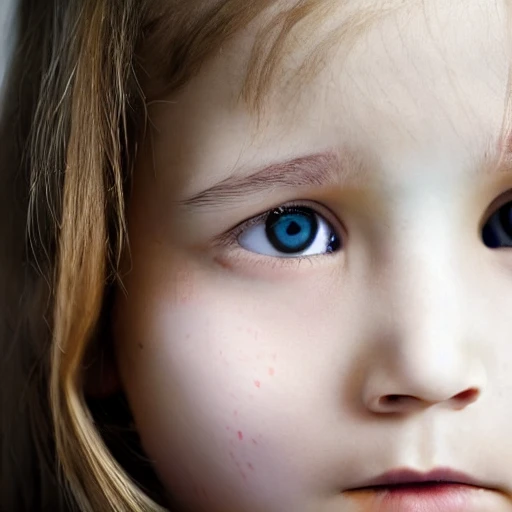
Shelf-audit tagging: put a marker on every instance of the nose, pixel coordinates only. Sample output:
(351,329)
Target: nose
(424,351)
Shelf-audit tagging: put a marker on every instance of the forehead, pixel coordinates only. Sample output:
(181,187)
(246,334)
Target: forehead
(399,73)
(429,76)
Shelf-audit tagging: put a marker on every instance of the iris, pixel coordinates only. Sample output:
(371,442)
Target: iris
(292,229)
(497,232)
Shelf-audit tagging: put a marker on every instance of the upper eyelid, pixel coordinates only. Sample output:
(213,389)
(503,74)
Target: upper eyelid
(318,208)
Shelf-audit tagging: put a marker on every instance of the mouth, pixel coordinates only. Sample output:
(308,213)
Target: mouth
(405,478)
(405,490)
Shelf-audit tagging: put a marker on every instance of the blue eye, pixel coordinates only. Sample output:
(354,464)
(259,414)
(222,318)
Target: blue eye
(497,231)
(290,232)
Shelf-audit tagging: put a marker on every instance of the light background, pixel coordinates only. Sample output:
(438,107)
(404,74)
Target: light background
(7,33)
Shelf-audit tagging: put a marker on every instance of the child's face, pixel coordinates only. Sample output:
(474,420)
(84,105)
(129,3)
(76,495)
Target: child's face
(272,384)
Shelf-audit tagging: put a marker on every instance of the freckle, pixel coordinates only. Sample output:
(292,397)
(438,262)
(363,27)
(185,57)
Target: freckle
(232,455)
(205,494)
(141,346)
(228,428)
(235,413)
(250,466)
(240,435)
(187,336)
(254,441)
(274,356)
(257,383)
(271,371)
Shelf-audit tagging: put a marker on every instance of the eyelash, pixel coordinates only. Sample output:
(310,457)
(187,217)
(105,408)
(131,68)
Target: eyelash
(230,238)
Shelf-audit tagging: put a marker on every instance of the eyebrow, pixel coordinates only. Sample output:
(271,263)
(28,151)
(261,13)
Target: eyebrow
(306,171)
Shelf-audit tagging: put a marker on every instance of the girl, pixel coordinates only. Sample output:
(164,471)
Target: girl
(257,257)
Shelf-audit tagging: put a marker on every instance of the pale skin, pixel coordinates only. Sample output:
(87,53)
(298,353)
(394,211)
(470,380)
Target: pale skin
(261,383)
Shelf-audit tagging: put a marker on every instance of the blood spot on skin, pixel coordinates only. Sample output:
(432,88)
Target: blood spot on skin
(271,372)
(257,383)
(240,435)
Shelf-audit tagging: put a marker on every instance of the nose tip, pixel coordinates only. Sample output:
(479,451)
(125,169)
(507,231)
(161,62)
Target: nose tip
(401,403)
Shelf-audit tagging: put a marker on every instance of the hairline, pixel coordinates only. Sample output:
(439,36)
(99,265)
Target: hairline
(281,29)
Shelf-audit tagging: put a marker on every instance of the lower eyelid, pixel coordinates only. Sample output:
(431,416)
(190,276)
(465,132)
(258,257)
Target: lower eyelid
(232,258)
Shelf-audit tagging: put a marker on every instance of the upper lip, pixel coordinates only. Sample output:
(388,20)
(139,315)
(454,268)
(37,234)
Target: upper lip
(408,476)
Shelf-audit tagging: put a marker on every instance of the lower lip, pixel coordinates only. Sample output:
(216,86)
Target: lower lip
(413,498)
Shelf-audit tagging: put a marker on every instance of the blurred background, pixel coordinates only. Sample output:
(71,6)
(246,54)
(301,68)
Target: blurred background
(7,31)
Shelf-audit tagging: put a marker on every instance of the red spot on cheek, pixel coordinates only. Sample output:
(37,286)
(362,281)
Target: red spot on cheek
(271,371)
(240,435)
(257,383)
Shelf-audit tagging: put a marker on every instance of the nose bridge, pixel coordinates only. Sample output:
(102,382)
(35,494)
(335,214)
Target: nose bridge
(429,355)
(423,284)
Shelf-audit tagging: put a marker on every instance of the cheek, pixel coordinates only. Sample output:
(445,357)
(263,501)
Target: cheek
(212,381)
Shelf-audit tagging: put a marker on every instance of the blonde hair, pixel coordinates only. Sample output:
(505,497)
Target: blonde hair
(76,114)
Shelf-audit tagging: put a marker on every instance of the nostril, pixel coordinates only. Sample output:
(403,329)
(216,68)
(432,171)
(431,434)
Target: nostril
(394,399)
(470,395)
(391,399)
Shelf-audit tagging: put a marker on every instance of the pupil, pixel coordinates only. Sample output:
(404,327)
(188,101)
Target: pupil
(293,229)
